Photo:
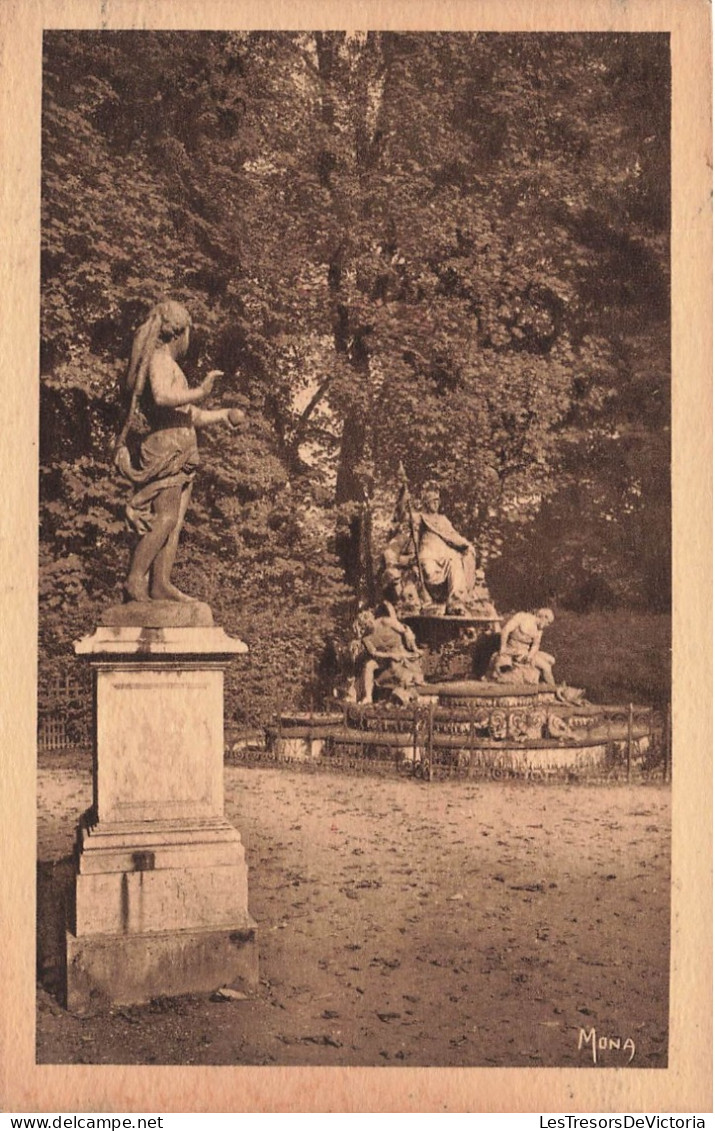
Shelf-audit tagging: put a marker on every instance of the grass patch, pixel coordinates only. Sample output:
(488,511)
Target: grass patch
(619,657)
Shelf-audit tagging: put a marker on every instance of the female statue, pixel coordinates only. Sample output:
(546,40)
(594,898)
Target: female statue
(169,454)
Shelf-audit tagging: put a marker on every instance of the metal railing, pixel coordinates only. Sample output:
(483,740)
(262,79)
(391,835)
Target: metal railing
(628,743)
(427,742)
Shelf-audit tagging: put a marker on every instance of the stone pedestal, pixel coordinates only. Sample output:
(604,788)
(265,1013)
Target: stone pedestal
(160,902)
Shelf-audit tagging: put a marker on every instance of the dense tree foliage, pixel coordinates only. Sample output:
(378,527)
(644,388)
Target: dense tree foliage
(449,250)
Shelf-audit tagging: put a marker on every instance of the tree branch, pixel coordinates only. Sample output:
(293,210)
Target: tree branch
(311,406)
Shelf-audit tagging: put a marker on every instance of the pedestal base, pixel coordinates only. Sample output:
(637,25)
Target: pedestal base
(158,909)
(105,970)
(160,897)
(159,877)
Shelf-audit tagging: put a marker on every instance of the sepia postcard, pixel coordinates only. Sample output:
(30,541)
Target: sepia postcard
(356,556)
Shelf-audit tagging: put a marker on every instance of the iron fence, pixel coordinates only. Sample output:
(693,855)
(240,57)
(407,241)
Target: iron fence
(422,740)
(629,743)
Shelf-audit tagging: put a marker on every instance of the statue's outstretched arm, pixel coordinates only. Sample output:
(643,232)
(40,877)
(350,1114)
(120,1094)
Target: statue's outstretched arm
(203,417)
(169,387)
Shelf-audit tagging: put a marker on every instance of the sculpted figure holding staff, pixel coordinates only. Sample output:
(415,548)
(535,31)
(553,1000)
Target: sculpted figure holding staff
(428,565)
(169,454)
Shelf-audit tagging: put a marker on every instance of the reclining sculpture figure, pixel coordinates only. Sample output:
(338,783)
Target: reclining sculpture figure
(385,655)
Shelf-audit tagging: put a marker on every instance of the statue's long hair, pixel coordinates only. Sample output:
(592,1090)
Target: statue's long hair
(166,321)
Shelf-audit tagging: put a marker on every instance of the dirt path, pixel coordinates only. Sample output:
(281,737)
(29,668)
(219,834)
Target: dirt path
(403,923)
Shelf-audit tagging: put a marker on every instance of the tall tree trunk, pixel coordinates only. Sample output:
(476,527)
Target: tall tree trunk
(353,485)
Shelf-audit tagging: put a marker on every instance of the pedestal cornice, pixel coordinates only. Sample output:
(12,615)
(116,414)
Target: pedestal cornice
(143,642)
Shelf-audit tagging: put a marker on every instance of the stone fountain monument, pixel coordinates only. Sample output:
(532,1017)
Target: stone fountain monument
(160,896)
(436,679)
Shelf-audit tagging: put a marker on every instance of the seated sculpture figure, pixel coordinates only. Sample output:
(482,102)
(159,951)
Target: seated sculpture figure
(428,567)
(447,559)
(520,658)
(385,654)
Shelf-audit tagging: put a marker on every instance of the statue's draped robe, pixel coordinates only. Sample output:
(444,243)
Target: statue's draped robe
(169,455)
(448,562)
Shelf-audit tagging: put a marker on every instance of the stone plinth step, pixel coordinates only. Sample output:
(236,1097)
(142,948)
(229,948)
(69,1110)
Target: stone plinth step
(158,614)
(480,692)
(116,969)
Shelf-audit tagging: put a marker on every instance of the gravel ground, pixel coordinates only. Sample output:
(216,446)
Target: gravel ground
(449,924)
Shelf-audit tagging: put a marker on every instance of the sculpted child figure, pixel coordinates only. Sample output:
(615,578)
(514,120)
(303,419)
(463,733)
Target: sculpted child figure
(169,454)
(521,643)
(385,654)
